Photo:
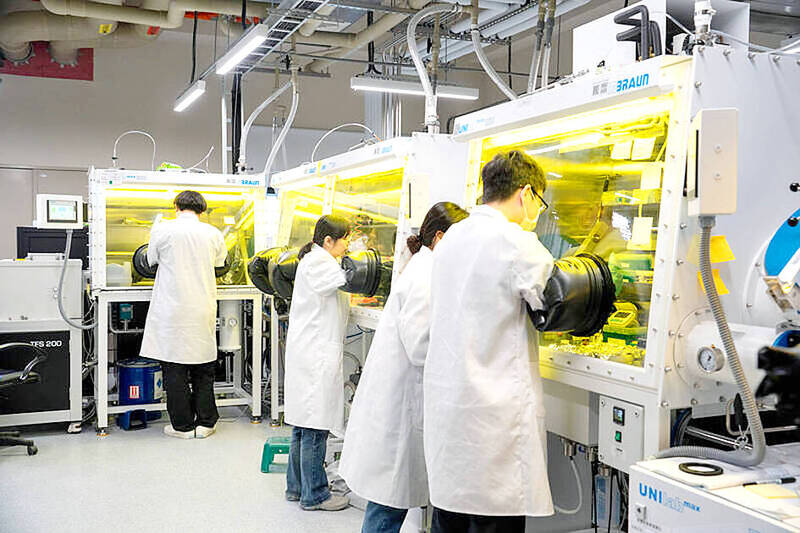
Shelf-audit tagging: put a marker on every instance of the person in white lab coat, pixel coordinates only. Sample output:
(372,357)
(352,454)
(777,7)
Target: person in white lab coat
(484,428)
(314,381)
(180,330)
(382,459)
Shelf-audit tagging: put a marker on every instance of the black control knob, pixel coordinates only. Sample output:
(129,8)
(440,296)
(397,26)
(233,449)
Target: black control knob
(794,187)
(793,221)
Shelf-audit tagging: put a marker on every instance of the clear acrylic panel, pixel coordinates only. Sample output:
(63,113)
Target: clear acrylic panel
(372,204)
(604,172)
(300,210)
(131,212)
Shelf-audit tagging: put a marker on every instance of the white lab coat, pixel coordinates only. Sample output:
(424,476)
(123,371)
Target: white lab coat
(484,429)
(314,381)
(181,321)
(383,460)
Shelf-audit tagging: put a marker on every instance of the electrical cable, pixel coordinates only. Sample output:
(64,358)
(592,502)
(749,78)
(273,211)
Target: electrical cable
(319,142)
(594,493)
(354,358)
(285,129)
(253,116)
(680,431)
(580,491)
(205,159)
(60,294)
(764,49)
(194,48)
(610,499)
(116,142)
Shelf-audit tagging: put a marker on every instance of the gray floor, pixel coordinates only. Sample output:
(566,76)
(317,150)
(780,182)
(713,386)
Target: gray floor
(143,481)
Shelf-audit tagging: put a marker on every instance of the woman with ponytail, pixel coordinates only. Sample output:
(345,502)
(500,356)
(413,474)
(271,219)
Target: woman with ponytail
(382,459)
(314,381)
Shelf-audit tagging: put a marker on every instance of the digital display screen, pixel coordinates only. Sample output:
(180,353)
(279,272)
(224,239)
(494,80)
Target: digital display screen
(619,415)
(62,211)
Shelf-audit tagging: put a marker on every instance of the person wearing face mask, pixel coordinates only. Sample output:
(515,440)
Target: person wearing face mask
(382,459)
(484,433)
(314,381)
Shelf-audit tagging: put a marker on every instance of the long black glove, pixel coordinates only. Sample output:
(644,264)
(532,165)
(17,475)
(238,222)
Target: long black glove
(144,269)
(578,298)
(141,265)
(282,273)
(363,272)
(258,268)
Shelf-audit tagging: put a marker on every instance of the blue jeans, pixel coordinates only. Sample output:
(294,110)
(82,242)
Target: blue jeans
(383,519)
(305,477)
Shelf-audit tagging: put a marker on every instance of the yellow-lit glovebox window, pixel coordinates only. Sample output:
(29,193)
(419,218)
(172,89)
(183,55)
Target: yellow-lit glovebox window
(604,171)
(132,209)
(370,198)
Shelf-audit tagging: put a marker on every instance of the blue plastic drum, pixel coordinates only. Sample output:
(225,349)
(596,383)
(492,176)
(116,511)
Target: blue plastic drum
(140,381)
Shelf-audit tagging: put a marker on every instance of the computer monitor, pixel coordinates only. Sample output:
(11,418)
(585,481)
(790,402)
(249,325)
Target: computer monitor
(59,211)
(47,241)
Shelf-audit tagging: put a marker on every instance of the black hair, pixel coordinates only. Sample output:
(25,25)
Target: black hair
(191,201)
(508,172)
(439,218)
(327,226)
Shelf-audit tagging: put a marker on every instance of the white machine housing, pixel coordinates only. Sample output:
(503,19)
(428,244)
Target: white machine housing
(664,499)
(135,189)
(755,85)
(29,313)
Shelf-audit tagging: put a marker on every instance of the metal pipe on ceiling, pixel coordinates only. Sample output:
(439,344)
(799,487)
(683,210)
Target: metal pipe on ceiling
(364,37)
(20,28)
(172,18)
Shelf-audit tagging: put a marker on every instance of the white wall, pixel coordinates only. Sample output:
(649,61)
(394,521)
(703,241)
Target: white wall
(297,147)
(72,124)
(20,187)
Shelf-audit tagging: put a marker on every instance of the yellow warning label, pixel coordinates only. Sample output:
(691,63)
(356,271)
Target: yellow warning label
(105,29)
(720,250)
(721,288)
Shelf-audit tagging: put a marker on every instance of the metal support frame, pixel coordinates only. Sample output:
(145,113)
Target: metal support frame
(444,67)
(253,399)
(275,362)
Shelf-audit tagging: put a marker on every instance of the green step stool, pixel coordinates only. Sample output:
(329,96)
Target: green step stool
(273,447)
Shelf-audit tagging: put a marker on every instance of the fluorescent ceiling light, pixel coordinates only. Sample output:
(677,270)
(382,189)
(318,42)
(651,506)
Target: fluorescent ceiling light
(188,96)
(242,48)
(383,85)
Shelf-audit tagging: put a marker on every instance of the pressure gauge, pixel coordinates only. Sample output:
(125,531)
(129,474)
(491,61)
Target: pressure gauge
(710,359)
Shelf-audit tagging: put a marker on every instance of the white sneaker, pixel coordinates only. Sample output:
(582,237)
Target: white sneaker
(202,432)
(172,432)
(334,503)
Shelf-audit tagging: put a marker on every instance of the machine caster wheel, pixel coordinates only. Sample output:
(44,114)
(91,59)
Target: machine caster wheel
(255,419)
(102,432)
(275,423)
(33,450)
(75,427)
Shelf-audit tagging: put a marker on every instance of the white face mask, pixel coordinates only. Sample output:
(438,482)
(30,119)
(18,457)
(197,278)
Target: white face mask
(528,223)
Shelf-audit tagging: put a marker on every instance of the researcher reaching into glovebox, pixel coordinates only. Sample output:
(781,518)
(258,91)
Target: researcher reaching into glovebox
(484,431)
(180,330)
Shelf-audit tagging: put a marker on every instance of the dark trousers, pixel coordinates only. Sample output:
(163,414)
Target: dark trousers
(383,519)
(305,477)
(448,522)
(190,395)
